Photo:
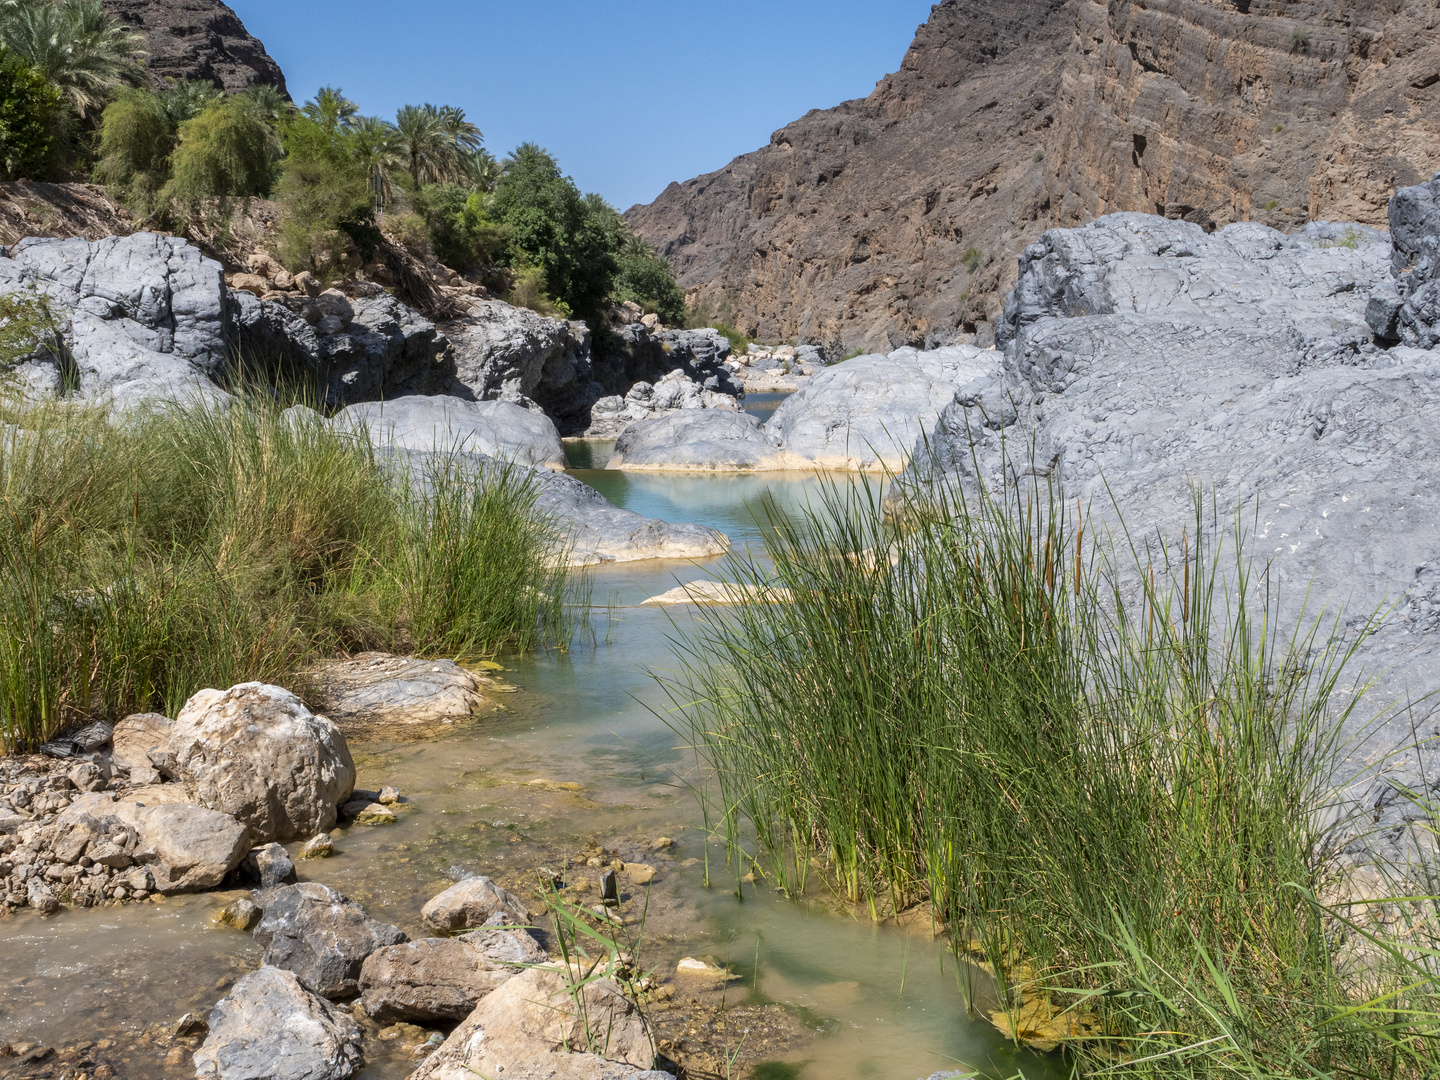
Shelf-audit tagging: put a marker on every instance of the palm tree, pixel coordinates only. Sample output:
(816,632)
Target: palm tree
(379,148)
(466,136)
(76,44)
(480,170)
(184,99)
(427,144)
(269,102)
(331,108)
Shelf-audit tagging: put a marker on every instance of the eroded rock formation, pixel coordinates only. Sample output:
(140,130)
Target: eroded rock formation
(199,39)
(897,219)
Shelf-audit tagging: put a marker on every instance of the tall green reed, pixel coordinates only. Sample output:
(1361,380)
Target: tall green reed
(1102,763)
(146,557)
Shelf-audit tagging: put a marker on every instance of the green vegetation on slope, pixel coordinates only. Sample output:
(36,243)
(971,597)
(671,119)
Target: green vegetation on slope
(145,557)
(1117,808)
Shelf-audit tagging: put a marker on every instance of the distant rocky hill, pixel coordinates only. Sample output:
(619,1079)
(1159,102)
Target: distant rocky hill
(199,39)
(898,219)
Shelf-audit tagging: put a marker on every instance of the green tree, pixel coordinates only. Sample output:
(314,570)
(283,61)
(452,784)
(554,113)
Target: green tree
(461,233)
(376,147)
(227,151)
(29,107)
(428,144)
(646,277)
(573,239)
(331,109)
(324,193)
(137,136)
(75,44)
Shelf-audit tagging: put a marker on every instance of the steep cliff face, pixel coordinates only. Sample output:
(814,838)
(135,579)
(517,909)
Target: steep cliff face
(199,39)
(1234,110)
(897,219)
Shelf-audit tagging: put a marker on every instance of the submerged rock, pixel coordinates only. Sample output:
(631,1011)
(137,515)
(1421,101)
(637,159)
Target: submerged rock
(377,689)
(269,1027)
(472,903)
(256,752)
(321,936)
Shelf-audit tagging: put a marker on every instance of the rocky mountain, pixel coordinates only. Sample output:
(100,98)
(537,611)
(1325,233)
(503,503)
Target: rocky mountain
(898,219)
(199,39)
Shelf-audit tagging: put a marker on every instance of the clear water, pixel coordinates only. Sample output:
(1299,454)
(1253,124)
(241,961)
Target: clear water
(880,1001)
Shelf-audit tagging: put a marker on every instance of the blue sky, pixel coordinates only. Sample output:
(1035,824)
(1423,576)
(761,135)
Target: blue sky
(629,94)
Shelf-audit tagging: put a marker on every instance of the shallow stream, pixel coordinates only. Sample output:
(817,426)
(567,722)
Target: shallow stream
(854,1000)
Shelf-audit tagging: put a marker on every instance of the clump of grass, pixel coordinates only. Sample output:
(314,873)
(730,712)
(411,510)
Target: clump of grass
(1271,204)
(1111,796)
(1299,39)
(144,558)
(972,259)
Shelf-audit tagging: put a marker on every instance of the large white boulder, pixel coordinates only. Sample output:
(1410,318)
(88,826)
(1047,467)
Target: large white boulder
(497,429)
(257,753)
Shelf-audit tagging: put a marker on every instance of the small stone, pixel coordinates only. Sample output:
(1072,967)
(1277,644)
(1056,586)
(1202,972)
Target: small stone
(609,888)
(242,914)
(376,814)
(329,325)
(40,897)
(140,880)
(187,1025)
(662,843)
(307,283)
(270,865)
(87,776)
(389,796)
(318,847)
(690,966)
(640,873)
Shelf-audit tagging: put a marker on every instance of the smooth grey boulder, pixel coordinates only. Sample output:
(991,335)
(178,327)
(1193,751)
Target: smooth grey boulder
(322,937)
(523,1026)
(1146,359)
(472,903)
(269,1027)
(865,414)
(379,347)
(257,753)
(434,980)
(384,691)
(443,424)
(143,317)
(700,440)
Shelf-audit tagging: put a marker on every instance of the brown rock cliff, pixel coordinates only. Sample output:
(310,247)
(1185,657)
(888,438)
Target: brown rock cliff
(199,39)
(852,227)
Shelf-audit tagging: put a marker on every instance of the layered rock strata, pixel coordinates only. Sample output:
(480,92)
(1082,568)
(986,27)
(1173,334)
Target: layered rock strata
(897,219)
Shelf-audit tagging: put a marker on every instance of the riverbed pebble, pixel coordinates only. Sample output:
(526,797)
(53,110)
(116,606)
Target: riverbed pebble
(376,814)
(318,847)
(471,903)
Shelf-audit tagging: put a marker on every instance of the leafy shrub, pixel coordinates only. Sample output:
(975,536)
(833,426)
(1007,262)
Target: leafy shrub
(410,232)
(1299,39)
(29,110)
(738,342)
(972,259)
(26,324)
(461,233)
(528,289)
(227,151)
(645,277)
(324,194)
